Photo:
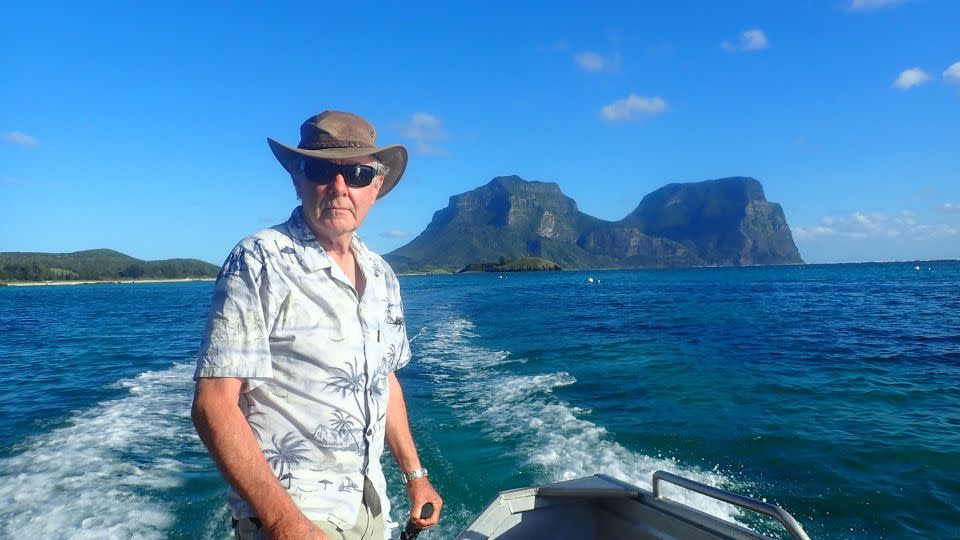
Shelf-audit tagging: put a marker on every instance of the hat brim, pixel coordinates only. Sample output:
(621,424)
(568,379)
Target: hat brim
(394,157)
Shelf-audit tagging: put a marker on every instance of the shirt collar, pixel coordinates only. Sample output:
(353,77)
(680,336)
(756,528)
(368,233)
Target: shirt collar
(368,264)
(311,254)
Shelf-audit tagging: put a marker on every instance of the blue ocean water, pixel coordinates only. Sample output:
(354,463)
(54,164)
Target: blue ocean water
(833,391)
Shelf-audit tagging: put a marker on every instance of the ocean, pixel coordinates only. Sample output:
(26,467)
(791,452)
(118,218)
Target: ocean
(831,390)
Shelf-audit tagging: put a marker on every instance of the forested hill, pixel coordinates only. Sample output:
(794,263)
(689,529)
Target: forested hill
(96,264)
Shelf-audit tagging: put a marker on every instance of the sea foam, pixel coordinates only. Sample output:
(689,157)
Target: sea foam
(99,476)
(556,438)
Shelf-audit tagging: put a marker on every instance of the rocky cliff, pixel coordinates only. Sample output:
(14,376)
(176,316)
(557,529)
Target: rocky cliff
(724,222)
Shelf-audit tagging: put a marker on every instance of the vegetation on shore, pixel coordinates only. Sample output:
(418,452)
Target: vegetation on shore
(97,265)
(523,264)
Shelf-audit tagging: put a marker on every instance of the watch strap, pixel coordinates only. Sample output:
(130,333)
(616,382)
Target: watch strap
(412,475)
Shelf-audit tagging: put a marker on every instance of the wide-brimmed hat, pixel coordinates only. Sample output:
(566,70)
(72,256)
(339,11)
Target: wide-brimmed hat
(341,135)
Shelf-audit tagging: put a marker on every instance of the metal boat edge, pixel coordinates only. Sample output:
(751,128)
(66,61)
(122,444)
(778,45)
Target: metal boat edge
(602,507)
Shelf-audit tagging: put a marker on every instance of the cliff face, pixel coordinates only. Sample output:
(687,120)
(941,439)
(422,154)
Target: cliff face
(508,217)
(718,222)
(726,222)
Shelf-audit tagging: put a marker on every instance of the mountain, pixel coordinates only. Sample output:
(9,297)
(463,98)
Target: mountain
(96,264)
(725,222)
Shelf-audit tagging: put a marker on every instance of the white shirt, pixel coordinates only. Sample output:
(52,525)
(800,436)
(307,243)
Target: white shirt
(315,358)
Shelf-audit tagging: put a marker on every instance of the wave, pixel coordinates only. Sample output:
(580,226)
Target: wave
(555,439)
(102,475)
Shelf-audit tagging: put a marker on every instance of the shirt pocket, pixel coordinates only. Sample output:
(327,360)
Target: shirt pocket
(301,318)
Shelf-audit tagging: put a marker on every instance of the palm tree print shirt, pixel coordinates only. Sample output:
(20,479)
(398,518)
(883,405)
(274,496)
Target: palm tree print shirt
(314,356)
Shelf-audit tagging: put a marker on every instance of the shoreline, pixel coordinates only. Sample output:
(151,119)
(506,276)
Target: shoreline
(706,267)
(101,282)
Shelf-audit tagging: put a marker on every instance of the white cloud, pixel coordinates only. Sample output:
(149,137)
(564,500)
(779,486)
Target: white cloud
(952,74)
(423,126)
(633,107)
(753,39)
(867,5)
(396,233)
(949,208)
(594,62)
(20,139)
(425,130)
(591,61)
(749,40)
(911,77)
(861,226)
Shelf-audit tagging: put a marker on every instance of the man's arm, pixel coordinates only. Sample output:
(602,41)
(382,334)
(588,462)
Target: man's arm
(227,436)
(401,445)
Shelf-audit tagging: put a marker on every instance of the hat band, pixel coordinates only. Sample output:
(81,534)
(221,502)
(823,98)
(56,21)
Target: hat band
(334,144)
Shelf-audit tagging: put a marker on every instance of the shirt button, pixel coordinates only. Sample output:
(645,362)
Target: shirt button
(369,432)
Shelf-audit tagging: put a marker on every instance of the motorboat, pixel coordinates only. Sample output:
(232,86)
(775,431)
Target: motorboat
(601,507)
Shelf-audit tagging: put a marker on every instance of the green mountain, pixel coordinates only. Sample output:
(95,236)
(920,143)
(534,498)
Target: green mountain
(96,264)
(725,222)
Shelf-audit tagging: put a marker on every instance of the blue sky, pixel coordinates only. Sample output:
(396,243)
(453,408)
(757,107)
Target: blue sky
(141,126)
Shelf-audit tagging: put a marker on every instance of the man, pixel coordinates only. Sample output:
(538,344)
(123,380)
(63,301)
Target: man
(296,391)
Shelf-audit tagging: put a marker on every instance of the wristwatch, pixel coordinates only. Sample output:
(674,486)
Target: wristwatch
(419,473)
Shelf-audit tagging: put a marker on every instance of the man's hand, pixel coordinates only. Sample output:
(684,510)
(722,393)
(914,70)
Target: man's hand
(400,441)
(296,529)
(421,492)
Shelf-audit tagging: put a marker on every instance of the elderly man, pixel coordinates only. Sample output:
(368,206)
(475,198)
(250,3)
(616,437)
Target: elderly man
(296,391)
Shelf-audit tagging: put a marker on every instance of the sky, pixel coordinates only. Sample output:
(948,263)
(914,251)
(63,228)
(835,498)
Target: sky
(141,126)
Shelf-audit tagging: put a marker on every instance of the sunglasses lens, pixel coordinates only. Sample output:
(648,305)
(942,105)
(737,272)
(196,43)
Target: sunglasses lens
(319,171)
(359,175)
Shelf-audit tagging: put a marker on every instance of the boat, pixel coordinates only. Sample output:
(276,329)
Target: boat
(602,507)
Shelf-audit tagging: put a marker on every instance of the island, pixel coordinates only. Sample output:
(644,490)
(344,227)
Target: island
(523,264)
(97,266)
(722,222)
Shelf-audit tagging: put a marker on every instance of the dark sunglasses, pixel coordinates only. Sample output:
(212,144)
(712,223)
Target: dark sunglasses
(323,172)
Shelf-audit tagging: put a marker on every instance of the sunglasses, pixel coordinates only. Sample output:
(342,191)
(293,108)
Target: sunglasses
(323,172)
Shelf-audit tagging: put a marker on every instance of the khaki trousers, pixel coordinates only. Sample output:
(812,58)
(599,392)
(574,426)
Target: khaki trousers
(368,526)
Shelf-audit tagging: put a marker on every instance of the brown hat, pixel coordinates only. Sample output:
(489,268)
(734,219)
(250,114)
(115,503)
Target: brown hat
(340,135)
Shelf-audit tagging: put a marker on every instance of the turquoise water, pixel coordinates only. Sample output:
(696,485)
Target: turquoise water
(833,391)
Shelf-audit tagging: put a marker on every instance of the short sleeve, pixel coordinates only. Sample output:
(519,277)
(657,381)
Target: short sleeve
(398,346)
(235,342)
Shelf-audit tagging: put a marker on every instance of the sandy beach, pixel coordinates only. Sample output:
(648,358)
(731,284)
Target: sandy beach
(96,282)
